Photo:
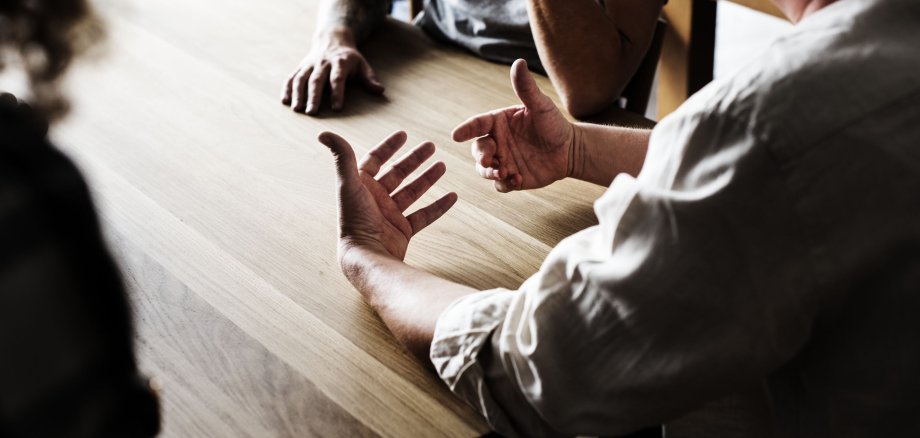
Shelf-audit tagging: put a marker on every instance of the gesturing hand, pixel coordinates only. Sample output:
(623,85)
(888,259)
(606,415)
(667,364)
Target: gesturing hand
(371,210)
(334,61)
(521,147)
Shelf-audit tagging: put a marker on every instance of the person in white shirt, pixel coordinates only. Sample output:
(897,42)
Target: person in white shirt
(767,233)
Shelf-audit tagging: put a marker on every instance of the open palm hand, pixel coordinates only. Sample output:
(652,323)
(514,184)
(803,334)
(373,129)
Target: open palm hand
(371,210)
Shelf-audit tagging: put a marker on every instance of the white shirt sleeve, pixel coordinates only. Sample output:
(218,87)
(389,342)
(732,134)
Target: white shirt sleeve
(697,280)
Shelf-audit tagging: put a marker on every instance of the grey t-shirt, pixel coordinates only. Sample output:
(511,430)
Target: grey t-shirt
(497,30)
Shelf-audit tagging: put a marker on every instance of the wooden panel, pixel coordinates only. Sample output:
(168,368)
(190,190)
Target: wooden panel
(687,52)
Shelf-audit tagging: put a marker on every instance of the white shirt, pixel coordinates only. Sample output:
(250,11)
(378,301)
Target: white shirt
(772,237)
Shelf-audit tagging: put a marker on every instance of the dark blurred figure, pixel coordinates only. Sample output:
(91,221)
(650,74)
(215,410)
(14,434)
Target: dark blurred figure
(67,365)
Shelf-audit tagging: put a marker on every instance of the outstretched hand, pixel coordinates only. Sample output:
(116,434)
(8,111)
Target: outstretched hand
(370,208)
(521,147)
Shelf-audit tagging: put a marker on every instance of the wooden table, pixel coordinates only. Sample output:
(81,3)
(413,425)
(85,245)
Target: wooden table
(218,203)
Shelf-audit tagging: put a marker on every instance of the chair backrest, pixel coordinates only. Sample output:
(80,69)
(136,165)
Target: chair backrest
(415,6)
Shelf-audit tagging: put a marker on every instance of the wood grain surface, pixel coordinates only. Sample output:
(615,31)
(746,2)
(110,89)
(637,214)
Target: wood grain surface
(219,206)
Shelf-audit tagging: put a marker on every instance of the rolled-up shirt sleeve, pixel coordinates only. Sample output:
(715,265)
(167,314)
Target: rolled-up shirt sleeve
(696,281)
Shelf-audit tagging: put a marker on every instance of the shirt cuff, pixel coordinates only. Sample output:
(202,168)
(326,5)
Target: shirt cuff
(463,330)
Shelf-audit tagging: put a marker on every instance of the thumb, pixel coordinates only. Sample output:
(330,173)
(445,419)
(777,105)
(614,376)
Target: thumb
(526,88)
(345,162)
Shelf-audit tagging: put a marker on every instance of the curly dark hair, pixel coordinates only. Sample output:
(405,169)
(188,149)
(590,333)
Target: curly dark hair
(42,37)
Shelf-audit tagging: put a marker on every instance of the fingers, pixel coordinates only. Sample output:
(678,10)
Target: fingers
(337,77)
(299,85)
(476,126)
(487,165)
(526,88)
(505,159)
(315,87)
(345,162)
(369,79)
(490,173)
(288,90)
(527,91)
(405,166)
(483,150)
(349,178)
(374,159)
(426,216)
(407,195)
(508,184)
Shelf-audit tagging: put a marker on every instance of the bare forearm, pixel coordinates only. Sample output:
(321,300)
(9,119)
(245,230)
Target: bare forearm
(589,52)
(600,153)
(408,300)
(359,17)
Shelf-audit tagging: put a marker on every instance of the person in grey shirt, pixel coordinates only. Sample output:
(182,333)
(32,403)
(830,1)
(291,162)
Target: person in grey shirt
(589,48)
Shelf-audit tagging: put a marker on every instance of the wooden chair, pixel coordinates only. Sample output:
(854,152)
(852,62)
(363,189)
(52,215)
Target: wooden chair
(415,6)
(639,89)
(688,50)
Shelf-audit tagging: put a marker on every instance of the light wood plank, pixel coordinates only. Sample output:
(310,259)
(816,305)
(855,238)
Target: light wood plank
(249,391)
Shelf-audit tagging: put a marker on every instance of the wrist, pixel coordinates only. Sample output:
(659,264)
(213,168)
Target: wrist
(336,36)
(576,157)
(362,265)
(355,255)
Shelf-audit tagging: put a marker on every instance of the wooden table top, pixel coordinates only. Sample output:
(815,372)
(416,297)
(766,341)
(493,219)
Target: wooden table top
(219,205)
